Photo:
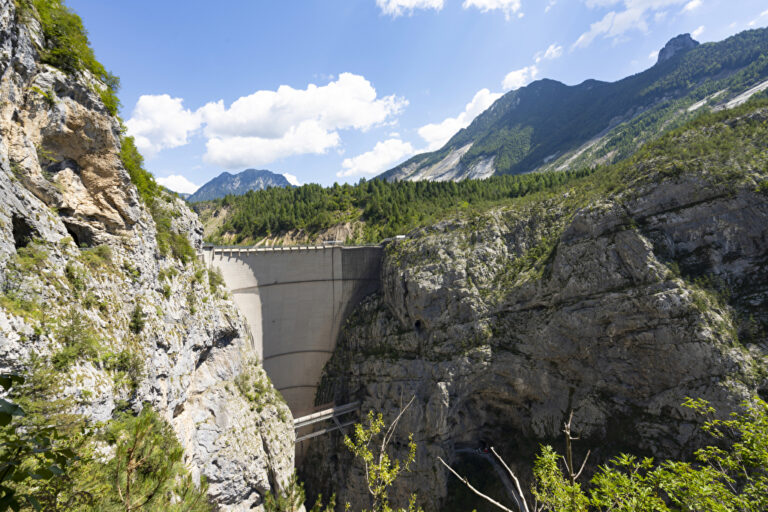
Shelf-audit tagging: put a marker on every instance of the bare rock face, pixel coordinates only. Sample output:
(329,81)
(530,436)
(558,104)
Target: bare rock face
(77,242)
(502,323)
(677,45)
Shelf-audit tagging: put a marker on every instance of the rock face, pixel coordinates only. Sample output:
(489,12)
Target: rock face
(501,323)
(77,242)
(676,46)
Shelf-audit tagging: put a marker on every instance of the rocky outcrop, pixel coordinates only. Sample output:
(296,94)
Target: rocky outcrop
(79,249)
(676,46)
(618,306)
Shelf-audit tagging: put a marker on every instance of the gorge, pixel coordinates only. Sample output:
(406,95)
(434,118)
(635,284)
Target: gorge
(613,292)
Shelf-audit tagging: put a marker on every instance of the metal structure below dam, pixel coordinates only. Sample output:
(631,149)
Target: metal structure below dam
(295,300)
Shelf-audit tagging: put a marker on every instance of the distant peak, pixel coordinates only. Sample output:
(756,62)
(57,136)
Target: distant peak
(677,45)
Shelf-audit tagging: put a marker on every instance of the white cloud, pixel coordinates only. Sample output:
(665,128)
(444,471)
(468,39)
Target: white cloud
(382,157)
(293,180)
(654,55)
(161,122)
(397,8)
(234,152)
(266,125)
(550,5)
(553,52)
(759,17)
(348,102)
(696,33)
(617,22)
(519,77)
(178,183)
(437,134)
(509,7)
(692,5)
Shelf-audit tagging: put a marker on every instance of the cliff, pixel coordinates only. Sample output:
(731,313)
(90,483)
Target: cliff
(618,296)
(109,296)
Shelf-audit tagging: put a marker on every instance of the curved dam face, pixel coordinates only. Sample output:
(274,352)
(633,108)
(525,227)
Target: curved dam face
(295,300)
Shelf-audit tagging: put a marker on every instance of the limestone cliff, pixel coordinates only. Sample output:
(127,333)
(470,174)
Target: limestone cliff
(619,297)
(79,249)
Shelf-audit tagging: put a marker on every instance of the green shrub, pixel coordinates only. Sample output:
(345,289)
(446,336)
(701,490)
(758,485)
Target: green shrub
(75,276)
(78,340)
(215,279)
(136,324)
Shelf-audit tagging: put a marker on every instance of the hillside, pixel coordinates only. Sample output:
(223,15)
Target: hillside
(548,125)
(238,184)
(616,295)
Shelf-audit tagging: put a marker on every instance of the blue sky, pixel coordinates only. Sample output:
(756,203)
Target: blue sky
(336,90)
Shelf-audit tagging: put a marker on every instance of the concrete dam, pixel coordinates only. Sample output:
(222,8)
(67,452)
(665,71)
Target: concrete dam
(295,300)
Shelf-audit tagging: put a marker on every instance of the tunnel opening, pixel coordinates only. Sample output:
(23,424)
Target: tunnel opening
(23,232)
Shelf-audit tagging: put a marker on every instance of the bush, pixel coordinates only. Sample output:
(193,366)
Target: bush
(136,324)
(67,46)
(78,339)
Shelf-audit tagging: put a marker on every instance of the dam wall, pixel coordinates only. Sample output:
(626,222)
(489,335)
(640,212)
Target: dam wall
(295,300)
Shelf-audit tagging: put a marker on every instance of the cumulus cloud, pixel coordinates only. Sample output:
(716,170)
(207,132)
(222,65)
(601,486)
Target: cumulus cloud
(383,156)
(696,33)
(519,78)
(692,5)
(161,122)
(397,8)
(437,134)
(508,7)
(293,180)
(178,183)
(554,51)
(266,125)
(615,23)
(233,152)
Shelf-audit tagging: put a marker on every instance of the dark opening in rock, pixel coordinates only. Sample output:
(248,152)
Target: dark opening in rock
(418,325)
(67,163)
(23,232)
(82,236)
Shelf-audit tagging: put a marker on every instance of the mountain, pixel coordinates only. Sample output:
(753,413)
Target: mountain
(238,184)
(642,285)
(548,125)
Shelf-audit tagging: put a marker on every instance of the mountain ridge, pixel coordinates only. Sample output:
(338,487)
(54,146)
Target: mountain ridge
(549,125)
(238,184)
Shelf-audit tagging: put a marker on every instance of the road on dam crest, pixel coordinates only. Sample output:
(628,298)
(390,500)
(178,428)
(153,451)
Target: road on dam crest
(295,300)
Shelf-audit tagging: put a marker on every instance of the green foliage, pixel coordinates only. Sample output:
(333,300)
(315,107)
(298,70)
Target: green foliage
(49,96)
(168,241)
(255,387)
(387,209)
(147,469)
(137,320)
(31,258)
(67,47)
(27,454)
(78,339)
(97,258)
(290,498)
(369,444)
(215,280)
(730,476)
(133,162)
(50,460)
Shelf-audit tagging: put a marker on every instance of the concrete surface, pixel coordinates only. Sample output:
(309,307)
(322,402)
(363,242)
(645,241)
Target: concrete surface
(295,300)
